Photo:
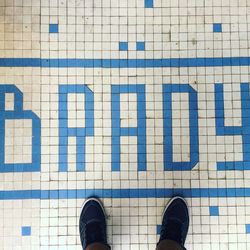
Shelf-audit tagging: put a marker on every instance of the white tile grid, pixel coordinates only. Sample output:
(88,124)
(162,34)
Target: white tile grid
(132,223)
(18,142)
(170,29)
(20,29)
(199,237)
(159,43)
(14,215)
(55,174)
(53,186)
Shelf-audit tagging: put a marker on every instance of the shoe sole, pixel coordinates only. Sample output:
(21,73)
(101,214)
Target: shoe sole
(94,199)
(172,200)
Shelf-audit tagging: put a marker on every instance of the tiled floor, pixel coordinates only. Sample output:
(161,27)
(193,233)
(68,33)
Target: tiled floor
(133,101)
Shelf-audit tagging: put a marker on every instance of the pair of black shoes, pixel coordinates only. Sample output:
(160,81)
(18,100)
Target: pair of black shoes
(92,222)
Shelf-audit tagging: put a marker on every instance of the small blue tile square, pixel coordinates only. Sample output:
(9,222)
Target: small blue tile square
(149,3)
(26,231)
(248,228)
(123,46)
(53,28)
(214,210)
(217,27)
(140,46)
(158,229)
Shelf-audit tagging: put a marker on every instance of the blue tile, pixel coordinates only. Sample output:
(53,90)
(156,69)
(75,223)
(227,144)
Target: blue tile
(79,133)
(123,46)
(19,113)
(140,46)
(248,228)
(149,3)
(214,210)
(132,63)
(139,131)
(168,90)
(242,130)
(26,231)
(158,229)
(217,27)
(53,28)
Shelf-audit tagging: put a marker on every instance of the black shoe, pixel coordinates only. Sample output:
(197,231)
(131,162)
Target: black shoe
(92,224)
(175,221)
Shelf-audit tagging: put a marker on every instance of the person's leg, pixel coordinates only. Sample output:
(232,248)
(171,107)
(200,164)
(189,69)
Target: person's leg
(175,225)
(168,245)
(92,226)
(97,246)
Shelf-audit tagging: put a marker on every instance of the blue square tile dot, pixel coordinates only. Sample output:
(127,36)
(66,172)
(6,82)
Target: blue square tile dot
(26,231)
(53,28)
(140,46)
(217,27)
(158,229)
(149,3)
(214,211)
(123,46)
(248,228)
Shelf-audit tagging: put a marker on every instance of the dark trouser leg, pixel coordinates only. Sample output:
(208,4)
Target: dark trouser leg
(169,245)
(97,246)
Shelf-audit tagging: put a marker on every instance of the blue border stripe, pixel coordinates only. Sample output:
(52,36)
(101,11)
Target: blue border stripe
(124,193)
(124,63)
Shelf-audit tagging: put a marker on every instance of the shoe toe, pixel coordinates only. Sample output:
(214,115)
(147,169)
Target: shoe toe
(92,210)
(175,221)
(178,209)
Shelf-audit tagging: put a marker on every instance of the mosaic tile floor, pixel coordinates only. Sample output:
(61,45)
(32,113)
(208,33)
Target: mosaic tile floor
(133,101)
